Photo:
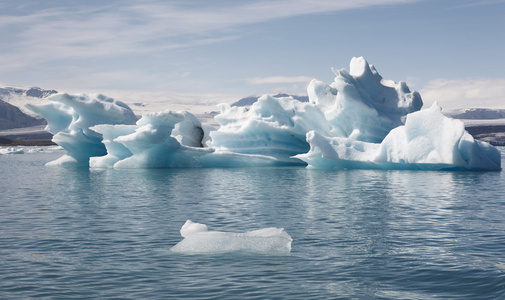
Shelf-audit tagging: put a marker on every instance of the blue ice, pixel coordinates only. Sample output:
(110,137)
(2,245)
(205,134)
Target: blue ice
(360,120)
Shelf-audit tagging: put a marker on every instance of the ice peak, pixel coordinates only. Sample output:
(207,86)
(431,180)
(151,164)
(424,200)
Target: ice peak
(359,67)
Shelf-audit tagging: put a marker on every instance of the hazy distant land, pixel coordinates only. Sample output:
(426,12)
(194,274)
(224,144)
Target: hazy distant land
(19,128)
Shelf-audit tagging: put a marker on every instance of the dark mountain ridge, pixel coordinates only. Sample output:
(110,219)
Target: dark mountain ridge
(12,117)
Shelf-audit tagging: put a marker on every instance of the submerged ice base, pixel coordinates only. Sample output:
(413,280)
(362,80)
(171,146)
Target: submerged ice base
(198,240)
(358,121)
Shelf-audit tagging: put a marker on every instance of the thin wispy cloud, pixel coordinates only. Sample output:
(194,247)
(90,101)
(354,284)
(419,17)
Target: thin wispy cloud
(477,3)
(279,79)
(228,46)
(475,92)
(133,28)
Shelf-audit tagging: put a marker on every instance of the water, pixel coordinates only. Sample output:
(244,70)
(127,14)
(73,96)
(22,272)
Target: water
(357,234)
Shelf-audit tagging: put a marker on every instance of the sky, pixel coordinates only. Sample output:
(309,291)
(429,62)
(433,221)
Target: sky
(202,52)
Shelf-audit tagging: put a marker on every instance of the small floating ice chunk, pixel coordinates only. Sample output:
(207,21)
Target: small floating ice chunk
(12,150)
(198,240)
(191,227)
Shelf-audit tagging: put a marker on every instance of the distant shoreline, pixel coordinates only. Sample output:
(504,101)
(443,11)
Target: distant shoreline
(491,133)
(8,142)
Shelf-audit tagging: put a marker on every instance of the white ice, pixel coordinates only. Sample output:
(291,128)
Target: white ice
(427,141)
(360,120)
(198,240)
(69,118)
(360,104)
(158,140)
(12,150)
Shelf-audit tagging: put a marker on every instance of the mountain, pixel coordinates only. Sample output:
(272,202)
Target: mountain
(34,92)
(12,117)
(19,96)
(252,99)
(476,113)
(11,105)
(484,124)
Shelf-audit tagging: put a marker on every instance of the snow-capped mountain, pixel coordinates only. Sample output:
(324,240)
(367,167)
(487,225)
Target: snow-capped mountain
(13,114)
(476,113)
(19,96)
(34,92)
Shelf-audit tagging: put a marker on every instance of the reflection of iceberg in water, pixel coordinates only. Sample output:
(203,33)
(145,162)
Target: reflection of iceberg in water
(198,240)
(358,121)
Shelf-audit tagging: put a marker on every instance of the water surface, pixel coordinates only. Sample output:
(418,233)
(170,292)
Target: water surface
(102,233)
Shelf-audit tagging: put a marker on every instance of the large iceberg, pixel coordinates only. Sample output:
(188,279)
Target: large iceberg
(198,240)
(360,120)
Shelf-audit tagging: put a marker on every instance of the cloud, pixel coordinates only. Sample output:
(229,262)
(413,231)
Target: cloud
(465,93)
(112,28)
(478,3)
(138,44)
(279,79)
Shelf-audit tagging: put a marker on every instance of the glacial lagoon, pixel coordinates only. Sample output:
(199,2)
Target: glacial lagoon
(77,232)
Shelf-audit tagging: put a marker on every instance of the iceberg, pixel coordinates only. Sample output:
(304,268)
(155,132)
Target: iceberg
(69,118)
(271,127)
(360,104)
(198,240)
(360,120)
(427,141)
(151,143)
